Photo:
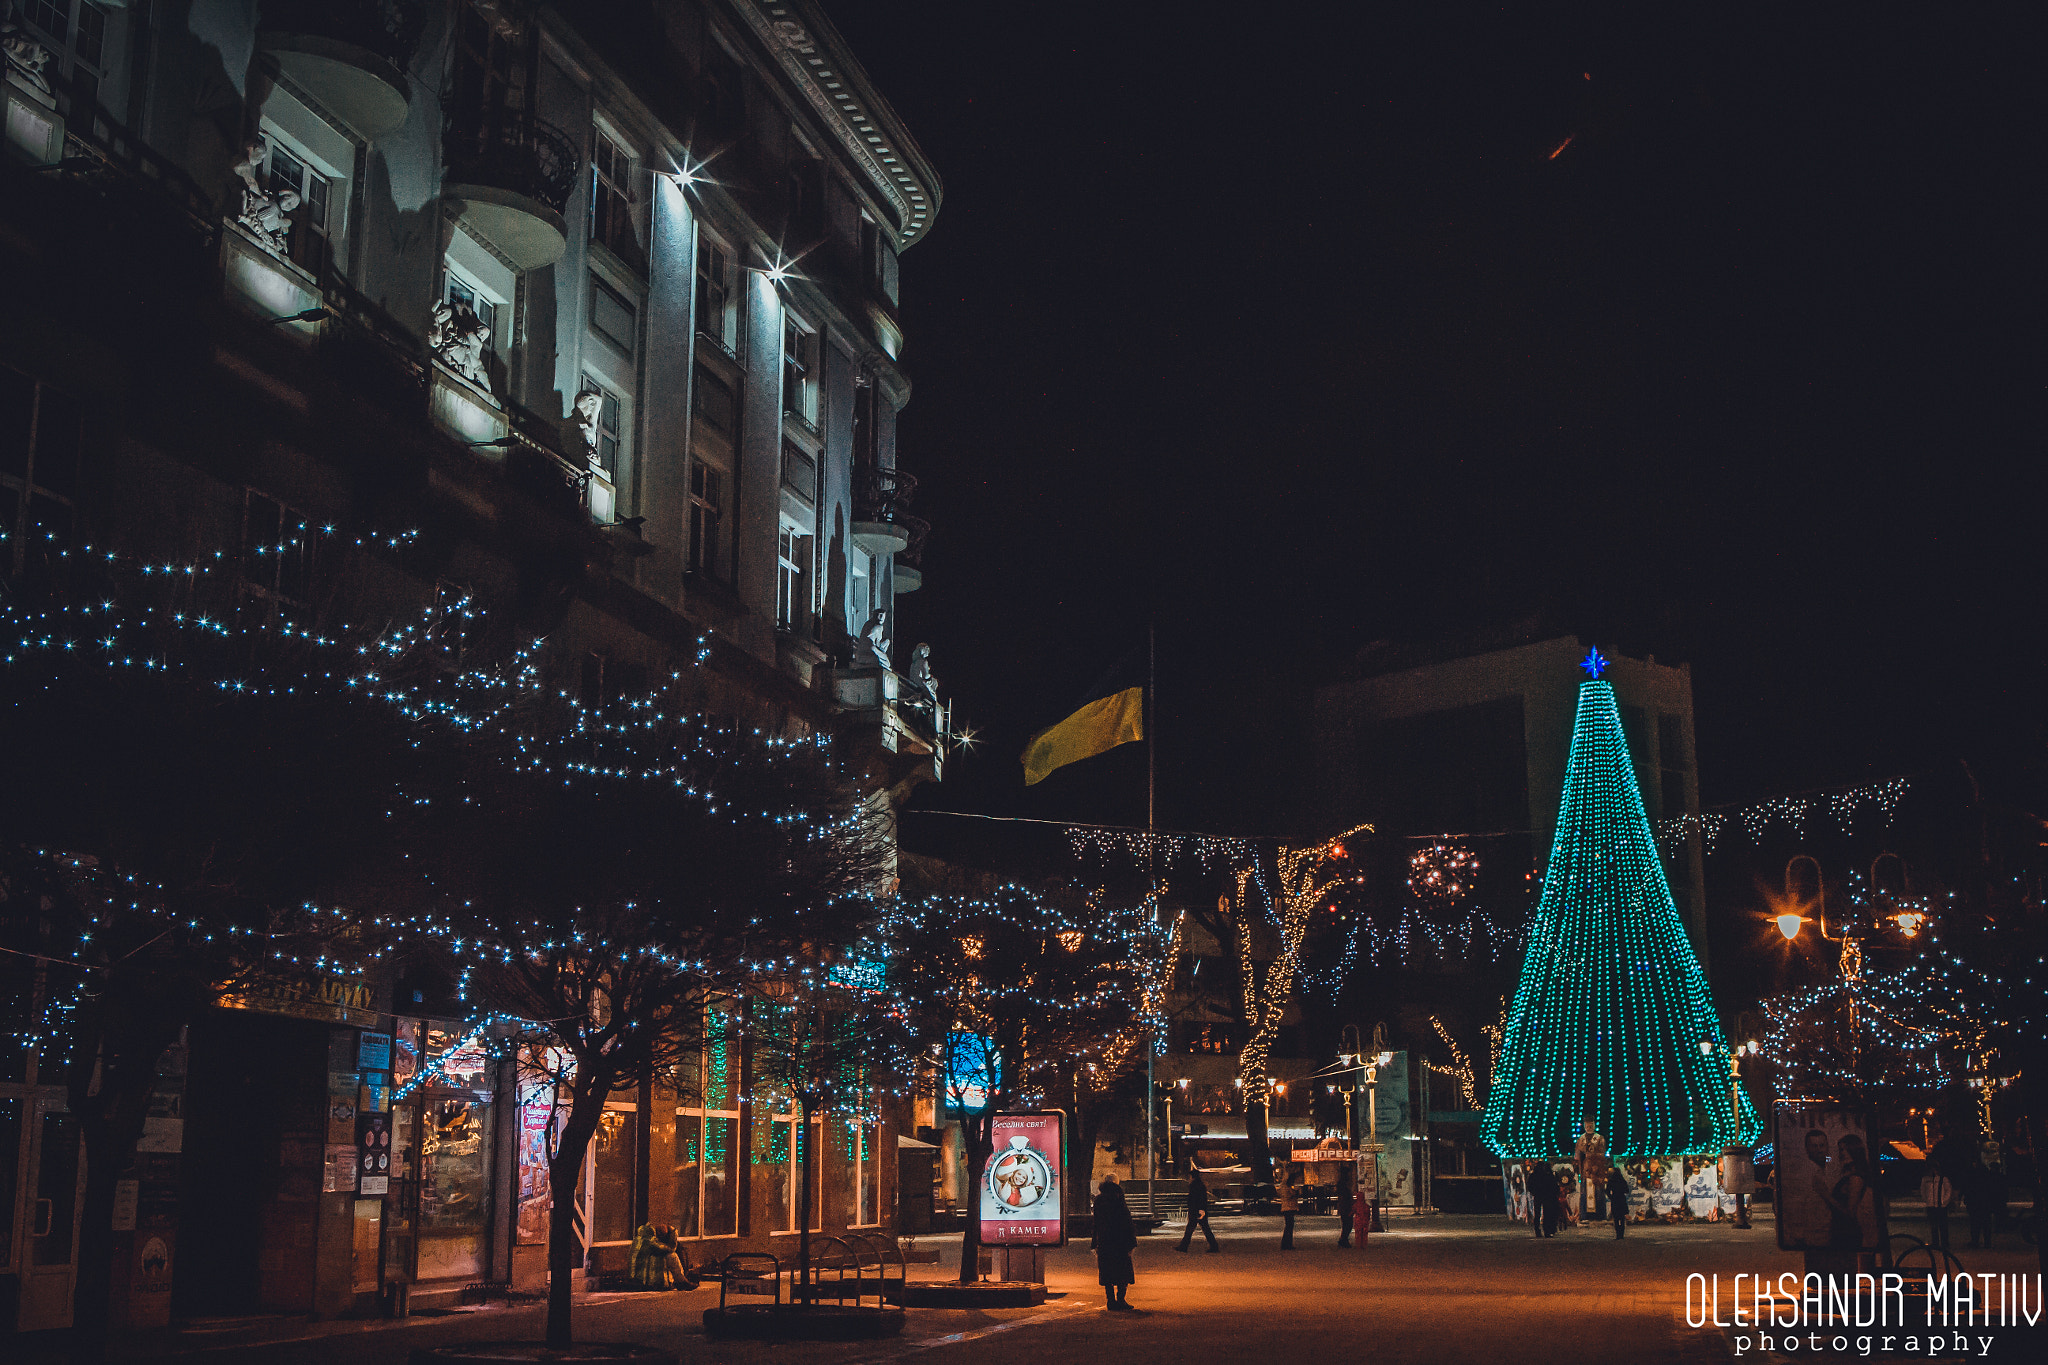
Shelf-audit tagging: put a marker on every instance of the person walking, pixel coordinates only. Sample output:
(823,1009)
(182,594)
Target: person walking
(1980,1189)
(1543,1198)
(1938,1193)
(1347,1182)
(1198,1212)
(1617,1199)
(1290,1204)
(1116,1237)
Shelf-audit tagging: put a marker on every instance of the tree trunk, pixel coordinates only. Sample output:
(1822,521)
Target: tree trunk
(806,1156)
(980,1144)
(110,1123)
(565,1173)
(1256,1139)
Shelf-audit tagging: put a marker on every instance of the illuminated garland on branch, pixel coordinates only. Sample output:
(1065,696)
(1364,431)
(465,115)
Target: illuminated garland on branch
(1870,806)
(1612,1005)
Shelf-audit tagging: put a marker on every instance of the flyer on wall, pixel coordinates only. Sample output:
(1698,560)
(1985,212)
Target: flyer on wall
(1021,1200)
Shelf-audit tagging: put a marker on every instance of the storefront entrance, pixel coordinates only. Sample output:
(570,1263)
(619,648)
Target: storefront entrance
(249,1202)
(40,1184)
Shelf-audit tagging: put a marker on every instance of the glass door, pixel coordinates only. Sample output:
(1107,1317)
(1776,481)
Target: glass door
(55,1175)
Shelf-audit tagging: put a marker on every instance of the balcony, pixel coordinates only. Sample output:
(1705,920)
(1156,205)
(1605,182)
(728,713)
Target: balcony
(882,522)
(910,559)
(350,55)
(512,175)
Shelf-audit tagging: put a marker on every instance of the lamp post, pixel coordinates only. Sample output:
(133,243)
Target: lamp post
(1734,1148)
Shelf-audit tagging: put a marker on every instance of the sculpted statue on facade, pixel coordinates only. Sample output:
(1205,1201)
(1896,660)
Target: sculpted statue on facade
(589,407)
(456,336)
(25,54)
(920,673)
(876,635)
(263,213)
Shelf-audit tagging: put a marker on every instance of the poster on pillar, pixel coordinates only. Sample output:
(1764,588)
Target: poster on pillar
(1021,1199)
(1394,1129)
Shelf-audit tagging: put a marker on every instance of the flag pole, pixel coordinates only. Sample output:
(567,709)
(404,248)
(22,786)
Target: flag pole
(1152,866)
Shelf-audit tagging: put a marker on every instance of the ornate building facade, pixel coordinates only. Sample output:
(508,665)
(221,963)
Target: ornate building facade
(596,306)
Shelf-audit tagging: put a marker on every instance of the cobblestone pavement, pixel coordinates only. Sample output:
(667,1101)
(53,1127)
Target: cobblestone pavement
(1435,1291)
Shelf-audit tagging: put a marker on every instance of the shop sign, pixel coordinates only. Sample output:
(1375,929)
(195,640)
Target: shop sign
(127,1200)
(338,1173)
(1825,1195)
(341,1120)
(373,1154)
(338,1000)
(1021,1195)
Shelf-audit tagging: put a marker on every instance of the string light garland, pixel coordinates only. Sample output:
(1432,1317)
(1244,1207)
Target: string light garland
(1306,877)
(1869,807)
(1460,1069)
(1612,1006)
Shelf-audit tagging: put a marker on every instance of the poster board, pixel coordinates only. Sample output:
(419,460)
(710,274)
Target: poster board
(1825,1190)
(1023,1201)
(1394,1130)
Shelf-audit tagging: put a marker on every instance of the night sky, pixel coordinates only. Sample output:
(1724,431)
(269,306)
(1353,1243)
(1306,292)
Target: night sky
(1288,326)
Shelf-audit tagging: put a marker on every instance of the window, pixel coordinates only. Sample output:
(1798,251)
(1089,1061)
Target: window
(881,260)
(799,472)
(39,459)
(75,31)
(776,1147)
(306,235)
(707,1149)
(611,1177)
(711,400)
(465,292)
(806,191)
(612,315)
(277,550)
(490,68)
(706,484)
(799,370)
(611,199)
(1213,1039)
(717,293)
(605,454)
(792,554)
(864,1173)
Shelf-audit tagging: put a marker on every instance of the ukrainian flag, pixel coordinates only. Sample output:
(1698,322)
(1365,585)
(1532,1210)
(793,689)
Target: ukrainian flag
(1112,713)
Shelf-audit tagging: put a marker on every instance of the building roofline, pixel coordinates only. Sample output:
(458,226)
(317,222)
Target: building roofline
(818,63)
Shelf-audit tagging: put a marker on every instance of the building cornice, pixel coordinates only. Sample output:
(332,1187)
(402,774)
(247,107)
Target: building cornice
(818,63)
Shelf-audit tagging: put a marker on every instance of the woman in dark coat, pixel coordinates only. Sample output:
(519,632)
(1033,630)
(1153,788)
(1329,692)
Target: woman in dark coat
(1114,1240)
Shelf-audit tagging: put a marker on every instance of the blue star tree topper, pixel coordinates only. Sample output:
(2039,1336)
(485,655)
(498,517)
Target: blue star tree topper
(1595,663)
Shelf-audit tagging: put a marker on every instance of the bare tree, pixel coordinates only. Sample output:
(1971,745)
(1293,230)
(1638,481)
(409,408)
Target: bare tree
(1008,994)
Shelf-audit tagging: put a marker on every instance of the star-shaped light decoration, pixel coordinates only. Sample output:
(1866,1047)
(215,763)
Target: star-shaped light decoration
(1593,663)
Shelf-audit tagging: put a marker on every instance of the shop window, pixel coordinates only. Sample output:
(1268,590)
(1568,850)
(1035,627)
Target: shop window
(863,1173)
(454,1185)
(707,1149)
(611,1178)
(775,1147)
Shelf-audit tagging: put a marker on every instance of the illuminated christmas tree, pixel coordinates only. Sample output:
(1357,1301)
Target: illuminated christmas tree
(1612,1007)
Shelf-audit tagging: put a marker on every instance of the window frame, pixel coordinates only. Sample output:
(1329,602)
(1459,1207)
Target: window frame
(792,575)
(64,49)
(704,1114)
(716,267)
(303,232)
(610,182)
(801,357)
